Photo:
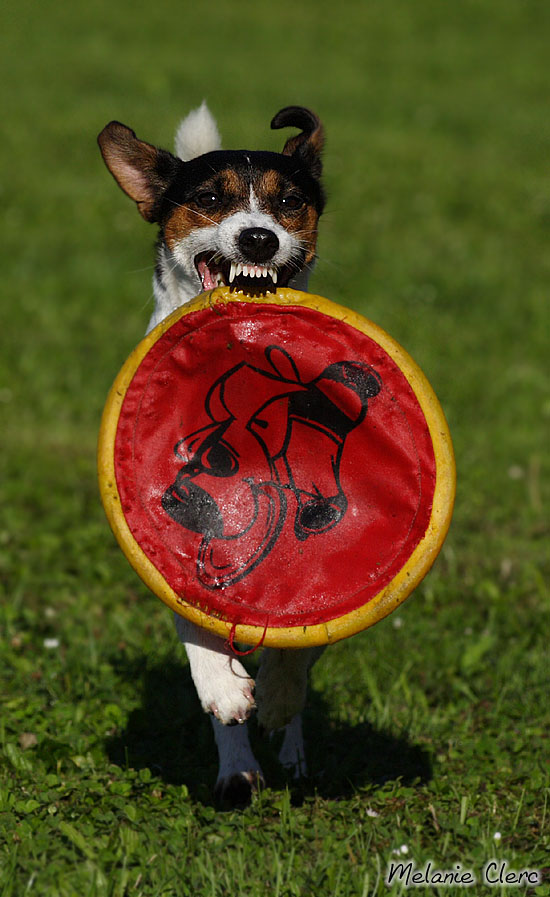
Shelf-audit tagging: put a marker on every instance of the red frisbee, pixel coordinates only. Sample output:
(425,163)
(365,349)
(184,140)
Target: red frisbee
(276,470)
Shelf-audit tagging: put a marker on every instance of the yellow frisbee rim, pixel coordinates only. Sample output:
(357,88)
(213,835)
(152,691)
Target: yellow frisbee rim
(352,622)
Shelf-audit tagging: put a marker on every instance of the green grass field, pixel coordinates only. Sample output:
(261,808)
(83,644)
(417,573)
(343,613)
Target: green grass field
(427,736)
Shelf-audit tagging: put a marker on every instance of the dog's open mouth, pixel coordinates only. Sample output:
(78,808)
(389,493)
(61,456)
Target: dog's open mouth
(215,271)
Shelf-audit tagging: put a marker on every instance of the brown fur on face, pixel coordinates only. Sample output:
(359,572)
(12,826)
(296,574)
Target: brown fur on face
(233,193)
(272,193)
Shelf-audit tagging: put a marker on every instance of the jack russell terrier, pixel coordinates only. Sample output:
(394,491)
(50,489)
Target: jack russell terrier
(248,220)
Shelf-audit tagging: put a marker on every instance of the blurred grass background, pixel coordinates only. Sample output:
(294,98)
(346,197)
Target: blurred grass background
(437,229)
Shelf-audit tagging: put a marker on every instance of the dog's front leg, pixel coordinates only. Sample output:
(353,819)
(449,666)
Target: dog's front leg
(224,687)
(225,690)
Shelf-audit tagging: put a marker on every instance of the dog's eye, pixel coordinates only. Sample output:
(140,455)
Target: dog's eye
(292,202)
(207,199)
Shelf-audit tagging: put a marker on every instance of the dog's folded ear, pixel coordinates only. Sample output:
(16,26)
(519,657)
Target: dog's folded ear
(143,171)
(309,143)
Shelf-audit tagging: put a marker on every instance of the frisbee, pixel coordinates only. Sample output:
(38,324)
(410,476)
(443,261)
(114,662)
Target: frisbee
(276,469)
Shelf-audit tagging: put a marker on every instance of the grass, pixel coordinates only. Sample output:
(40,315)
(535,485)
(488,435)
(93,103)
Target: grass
(429,731)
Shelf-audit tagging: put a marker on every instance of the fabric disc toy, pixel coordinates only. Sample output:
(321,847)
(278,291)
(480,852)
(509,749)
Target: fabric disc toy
(276,469)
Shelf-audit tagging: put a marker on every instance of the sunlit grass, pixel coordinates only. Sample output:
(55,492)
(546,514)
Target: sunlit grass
(428,732)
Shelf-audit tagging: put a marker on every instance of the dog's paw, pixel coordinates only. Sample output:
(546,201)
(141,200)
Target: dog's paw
(237,790)
(233,710)
(227,692)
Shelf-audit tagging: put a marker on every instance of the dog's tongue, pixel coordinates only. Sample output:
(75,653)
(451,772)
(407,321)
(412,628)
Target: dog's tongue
(205,274)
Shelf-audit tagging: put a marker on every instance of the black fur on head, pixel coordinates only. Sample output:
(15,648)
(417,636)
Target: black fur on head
(153,177)
(308,145)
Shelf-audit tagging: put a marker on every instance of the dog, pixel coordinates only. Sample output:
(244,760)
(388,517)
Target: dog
(248,220)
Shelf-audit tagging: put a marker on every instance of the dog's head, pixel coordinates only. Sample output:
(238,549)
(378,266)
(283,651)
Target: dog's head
(235,217)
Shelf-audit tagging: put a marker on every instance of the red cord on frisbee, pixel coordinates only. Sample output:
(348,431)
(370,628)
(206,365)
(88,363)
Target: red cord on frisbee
(278,471)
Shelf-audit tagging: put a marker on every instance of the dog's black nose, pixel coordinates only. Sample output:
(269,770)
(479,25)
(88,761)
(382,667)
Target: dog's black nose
(258,244)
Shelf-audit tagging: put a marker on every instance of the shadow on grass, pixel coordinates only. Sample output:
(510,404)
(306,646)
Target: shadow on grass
(170,735)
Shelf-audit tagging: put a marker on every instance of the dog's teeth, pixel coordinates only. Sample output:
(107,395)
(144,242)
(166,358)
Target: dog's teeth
(232,272)
(273,274)
(238,269)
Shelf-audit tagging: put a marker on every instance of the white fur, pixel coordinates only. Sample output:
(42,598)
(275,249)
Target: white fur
(236,757)
(292,754)
(176,280)
(281,684)
(173,286)
(223,685)
(197,134)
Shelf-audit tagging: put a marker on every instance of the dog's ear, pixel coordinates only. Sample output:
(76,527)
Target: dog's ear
(309,143)
(143,171)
